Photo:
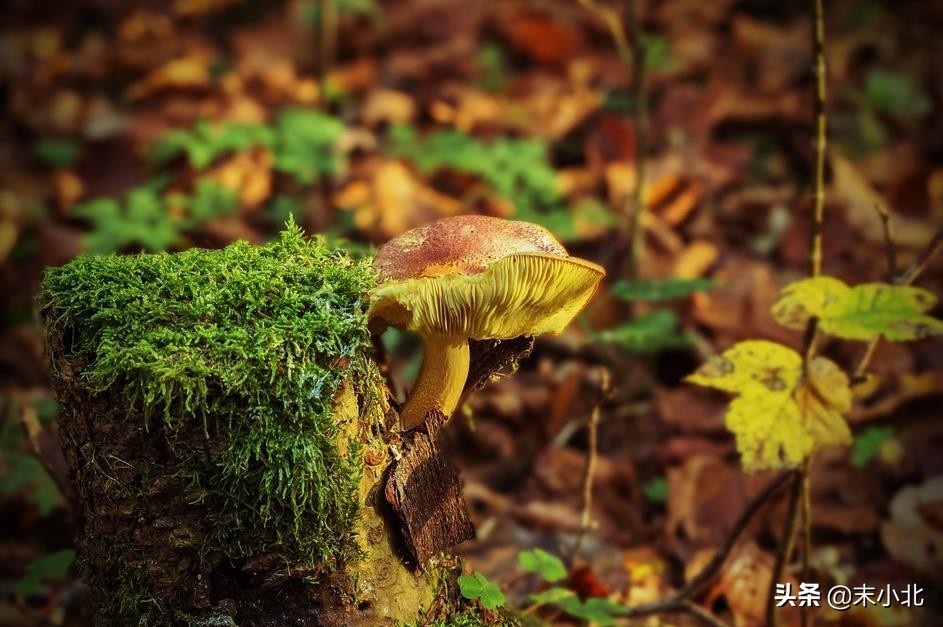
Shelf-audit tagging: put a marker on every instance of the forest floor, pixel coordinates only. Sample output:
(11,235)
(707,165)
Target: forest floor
(396,113)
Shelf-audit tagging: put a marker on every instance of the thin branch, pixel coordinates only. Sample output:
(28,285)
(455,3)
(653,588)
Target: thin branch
(818,51)
(636,204)
(701,614)
(923,260)
(611,19)
(328,37)
(799,499)
(785,549)
(889,249)
(590,470)
(806,530)
(676,601)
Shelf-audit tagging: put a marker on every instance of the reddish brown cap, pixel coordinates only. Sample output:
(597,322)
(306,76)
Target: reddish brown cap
(460,245)
(482,278)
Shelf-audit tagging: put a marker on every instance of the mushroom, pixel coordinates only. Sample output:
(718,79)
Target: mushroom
(473,277)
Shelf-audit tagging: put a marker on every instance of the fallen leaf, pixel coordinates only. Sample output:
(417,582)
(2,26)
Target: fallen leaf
(388,106)
(695,260)
(914,533)
(861,200)
(188,72)
(393,201)
(69,188)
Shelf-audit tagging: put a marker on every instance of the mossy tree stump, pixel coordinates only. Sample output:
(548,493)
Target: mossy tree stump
(224,427)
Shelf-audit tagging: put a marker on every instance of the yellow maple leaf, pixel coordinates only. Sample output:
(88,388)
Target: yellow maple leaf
(862,312)
(780,415)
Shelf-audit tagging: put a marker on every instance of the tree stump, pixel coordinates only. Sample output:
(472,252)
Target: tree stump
(231,446)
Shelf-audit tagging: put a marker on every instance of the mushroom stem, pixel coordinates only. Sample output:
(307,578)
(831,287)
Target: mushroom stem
(440,382)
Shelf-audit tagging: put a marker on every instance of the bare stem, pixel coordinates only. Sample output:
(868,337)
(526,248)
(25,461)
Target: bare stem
(889,249)
(806,531)
(818,51)
(636,204)
(701,614)
(590,470)
(785,549)
(677,601)
(328,36)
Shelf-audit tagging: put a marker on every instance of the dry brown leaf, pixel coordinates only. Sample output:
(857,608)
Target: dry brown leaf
(187,72)
(744,583)
(540,37)
(388,106)
(682,204)
(705,495)
(69,188)
(393,201)
(861,200)
(914,534)
(247,173)
(695,260)
(194,8)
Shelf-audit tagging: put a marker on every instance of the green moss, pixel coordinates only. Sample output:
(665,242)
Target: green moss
(473,617)
(251,343)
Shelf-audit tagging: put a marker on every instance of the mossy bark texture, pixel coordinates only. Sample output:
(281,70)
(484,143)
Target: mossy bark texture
(223,426)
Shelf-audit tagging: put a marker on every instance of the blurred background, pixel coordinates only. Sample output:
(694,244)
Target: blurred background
(151,126)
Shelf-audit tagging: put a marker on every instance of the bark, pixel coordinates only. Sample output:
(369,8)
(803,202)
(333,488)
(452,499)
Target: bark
(141,525)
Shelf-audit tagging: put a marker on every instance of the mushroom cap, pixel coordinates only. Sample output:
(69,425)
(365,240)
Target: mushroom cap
(480,277)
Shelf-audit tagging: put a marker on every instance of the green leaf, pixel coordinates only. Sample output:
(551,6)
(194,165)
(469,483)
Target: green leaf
(52,567)
(207,141)
(554,596)
(60,153)
(655,331)
(868,444)
(659,290)
(210,200)
(862,312)
(896,94)
(658,54)
(517,170)
(476,587)
(306,145)
(656,490)
(492,67)
(599,611)
(548,566)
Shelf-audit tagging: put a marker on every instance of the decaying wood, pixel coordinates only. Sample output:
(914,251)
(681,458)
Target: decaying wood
(423,487)
(494,357)
(425,494)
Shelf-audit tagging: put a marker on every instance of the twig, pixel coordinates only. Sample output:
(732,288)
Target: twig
(889,249)
(636,204)
(328,34)
(632,54)
(923,260)
(677,600)
(611,19)
(701,614)
(799,499)
(432,610)
(590,470)
(785,549)
(806,530)
(818,51)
